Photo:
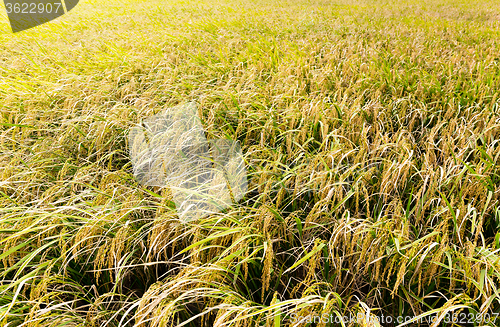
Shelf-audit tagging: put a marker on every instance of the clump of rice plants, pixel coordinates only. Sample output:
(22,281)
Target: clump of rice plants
(370,134)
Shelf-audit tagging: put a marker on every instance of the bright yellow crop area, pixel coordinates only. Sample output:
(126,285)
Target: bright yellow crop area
(370,131)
